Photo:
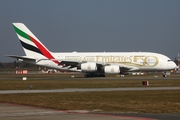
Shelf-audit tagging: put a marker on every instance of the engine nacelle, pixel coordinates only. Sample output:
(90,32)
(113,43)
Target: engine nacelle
(112,69)
(89,67)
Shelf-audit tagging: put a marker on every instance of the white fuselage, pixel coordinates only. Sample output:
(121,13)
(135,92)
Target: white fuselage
(137,61)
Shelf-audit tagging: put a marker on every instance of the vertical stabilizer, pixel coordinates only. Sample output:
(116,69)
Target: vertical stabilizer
(31,45)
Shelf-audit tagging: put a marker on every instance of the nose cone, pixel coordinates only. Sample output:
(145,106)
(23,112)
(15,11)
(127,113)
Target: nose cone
(172,65)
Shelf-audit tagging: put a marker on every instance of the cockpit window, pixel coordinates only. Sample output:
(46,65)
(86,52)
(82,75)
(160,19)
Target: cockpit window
(169,60)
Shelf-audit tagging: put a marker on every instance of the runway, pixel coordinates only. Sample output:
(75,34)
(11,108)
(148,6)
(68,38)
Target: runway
(22,112)
(88,90)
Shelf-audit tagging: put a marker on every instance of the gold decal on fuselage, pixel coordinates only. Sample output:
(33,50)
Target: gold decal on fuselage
(112,59)
(146,60)
(137,60)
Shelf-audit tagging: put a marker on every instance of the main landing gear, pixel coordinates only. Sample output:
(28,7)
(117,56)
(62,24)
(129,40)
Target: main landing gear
(93,75)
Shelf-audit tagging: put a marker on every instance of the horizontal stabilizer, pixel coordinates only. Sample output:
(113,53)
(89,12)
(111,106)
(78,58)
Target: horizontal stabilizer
(21,57)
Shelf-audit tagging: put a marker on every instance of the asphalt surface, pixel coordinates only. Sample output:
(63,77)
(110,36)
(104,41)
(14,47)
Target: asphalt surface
(87,90)
(21,112)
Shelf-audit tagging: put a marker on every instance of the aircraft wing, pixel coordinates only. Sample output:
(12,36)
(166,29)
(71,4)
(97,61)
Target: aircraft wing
(125,68)
(71,63)
(21,57)
(77,64)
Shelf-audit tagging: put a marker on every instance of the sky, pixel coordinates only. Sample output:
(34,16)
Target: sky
(93,25)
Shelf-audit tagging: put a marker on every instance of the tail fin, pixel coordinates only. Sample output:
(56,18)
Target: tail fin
(31,45)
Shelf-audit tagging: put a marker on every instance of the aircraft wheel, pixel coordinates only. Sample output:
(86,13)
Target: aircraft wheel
(103,75)
(86,75)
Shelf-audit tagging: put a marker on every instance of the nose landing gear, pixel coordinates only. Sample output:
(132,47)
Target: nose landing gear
(164,74)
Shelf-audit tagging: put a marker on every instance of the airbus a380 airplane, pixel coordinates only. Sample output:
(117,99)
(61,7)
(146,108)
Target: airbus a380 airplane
(92,64)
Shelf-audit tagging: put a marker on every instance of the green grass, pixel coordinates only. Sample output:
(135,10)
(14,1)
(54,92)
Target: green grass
(58,81)
(117,101)
(167,101)
(82,83)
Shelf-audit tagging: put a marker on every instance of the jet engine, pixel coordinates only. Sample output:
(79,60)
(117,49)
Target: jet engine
(112,69)
(89,67)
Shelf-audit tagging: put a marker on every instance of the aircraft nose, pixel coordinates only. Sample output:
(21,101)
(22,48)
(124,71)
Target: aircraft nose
(173,65)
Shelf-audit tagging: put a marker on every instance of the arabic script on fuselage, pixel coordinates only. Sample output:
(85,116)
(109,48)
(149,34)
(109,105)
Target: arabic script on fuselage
(137,60)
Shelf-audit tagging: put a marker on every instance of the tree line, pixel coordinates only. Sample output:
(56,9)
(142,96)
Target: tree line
(17,65)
